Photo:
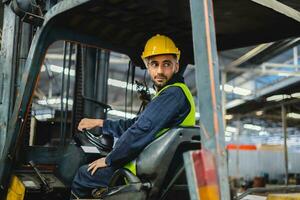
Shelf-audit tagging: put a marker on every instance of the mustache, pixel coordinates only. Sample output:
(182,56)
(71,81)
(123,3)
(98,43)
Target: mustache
(160,77)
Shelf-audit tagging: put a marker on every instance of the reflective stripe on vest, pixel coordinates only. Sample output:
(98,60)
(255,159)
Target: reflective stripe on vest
(189,120)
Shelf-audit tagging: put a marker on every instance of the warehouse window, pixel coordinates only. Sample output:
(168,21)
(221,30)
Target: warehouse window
(123,74)
(75,82)
(1,22)
(52,104)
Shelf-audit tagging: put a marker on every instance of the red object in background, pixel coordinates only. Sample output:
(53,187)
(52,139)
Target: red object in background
(241,147)
(206,175)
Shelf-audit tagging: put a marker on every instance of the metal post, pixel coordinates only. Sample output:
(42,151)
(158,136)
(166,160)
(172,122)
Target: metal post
(50,92)
(6,66)
(63,111)
(101,82)
(280,8)
(208,88)
(67,94)
(89,79)
(295,55)
(39,44)
(78,90)
(24,41)
(239,130)
(284,130)
(224,80)
(24,49)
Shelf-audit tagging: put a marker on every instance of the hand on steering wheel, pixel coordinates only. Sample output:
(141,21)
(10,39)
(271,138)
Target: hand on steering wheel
(87,123)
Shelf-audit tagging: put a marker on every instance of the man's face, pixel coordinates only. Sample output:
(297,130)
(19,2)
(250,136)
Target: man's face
(161,68)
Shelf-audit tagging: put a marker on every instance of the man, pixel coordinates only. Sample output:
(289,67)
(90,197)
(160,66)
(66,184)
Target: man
(172,106)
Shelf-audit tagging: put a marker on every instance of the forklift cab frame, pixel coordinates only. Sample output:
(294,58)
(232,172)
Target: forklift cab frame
(124,26)
(55,28)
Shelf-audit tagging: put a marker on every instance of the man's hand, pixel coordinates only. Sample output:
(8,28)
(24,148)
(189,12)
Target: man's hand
(89,123)
(100,163)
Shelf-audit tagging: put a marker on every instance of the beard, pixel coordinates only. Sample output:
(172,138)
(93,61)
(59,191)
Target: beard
(161,82)
(159,85)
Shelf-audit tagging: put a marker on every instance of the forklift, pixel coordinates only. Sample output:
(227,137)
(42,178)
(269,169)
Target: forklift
(45,155)
(40,164)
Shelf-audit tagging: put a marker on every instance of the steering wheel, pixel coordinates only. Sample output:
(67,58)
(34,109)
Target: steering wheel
(103,142)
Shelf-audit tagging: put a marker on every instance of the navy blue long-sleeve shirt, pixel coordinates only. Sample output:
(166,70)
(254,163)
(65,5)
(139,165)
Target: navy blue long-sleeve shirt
(167,110)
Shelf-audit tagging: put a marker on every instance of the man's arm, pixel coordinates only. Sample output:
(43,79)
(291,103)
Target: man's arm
(158,115)
(116,128)
(113,128)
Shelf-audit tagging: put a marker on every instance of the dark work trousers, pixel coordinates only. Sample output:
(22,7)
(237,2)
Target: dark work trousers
(84,182)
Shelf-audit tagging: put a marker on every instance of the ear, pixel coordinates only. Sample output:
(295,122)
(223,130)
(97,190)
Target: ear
(176,67)
(145,62)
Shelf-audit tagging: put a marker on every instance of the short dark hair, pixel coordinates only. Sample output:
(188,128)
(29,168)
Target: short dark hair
(174,56)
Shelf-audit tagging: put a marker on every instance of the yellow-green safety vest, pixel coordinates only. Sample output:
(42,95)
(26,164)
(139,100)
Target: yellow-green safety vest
(189,120)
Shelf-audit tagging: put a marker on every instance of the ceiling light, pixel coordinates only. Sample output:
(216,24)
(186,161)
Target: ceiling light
(263,133)
(53,101)
(296,95)
(252,127)
(228,88)
(231,129)
(241,91)
(228,133)
(43,117)
(234,103)
(236,90)
(284,74)
(278,97)
(227,138)
(259,113)
(58,69)
(54,56)
(293,115)
(228,117)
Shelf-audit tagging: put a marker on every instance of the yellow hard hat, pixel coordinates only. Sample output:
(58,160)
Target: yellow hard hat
(160,44)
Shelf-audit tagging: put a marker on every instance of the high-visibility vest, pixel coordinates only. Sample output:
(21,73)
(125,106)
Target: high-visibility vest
(189,120)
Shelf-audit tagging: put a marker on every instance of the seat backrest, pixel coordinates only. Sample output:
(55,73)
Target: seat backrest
(154,161)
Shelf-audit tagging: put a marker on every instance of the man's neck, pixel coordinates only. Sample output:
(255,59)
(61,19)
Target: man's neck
(176,78)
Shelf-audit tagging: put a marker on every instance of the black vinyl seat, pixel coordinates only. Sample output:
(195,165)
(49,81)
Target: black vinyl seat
(154,165)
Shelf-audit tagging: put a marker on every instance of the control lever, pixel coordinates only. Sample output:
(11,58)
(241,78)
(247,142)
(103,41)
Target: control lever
(44,185)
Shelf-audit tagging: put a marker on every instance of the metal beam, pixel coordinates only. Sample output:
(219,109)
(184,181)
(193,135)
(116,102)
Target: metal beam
(247,56)
(260,54)
(265,91)
(208,87)
(295,55)
(281,8)
(264,71)
(101,81)
(17,120)
(6,72)
(284,130)
(89,80)
(279,65)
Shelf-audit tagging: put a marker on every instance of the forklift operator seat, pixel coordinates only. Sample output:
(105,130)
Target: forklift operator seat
(153,166)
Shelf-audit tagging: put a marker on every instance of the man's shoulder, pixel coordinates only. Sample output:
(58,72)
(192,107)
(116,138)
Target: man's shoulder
(174,89)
